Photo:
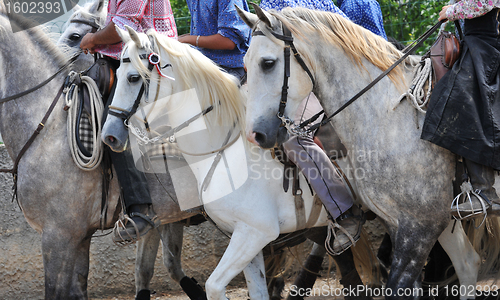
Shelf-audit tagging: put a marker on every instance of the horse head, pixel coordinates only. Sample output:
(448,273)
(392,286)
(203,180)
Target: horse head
(141,62)
(85,19)
(265,63)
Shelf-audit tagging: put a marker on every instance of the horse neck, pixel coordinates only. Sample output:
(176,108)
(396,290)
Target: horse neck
(370,116)
(25,64)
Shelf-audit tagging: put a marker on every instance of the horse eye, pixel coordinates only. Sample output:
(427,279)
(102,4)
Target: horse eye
(75,37)
(133,78)
(267,64)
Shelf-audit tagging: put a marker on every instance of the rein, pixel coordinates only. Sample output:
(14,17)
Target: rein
(19,95)
(41,125)
(288,40)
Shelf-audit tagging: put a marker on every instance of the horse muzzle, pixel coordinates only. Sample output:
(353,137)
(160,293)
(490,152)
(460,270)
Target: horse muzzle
(114,134)
(267,134)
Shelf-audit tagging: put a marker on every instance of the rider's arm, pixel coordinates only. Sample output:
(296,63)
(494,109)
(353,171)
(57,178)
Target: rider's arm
(468,9)
(106,36)
(216,41)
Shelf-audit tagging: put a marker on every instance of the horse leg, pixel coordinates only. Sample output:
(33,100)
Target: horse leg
(246,243)
(308,274)
(66,264)
(345,262)
(255,277)
(463,256)
(412,244)
(171,237)
(147,248)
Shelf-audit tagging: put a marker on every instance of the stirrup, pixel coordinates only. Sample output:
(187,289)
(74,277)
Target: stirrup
(121,225)
(332,233)
(466,197)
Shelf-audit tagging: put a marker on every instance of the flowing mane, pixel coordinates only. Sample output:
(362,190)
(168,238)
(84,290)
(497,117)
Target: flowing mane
(213,85)
(355,40)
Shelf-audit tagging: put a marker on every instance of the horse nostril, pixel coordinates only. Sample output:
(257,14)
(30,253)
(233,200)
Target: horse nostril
(260,138)
(110,140)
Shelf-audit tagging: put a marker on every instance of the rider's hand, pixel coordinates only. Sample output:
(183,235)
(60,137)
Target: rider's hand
(87,44)
(442,13)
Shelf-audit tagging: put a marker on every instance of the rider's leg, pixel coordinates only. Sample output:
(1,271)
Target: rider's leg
(326,182)
(134,187)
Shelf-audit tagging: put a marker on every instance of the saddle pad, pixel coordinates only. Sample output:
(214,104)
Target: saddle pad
(85,134)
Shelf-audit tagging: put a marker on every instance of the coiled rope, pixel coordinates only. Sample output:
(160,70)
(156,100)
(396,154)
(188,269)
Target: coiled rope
(83,161)
(416,94)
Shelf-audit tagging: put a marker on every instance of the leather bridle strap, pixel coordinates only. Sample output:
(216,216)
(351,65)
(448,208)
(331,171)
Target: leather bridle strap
(375,81)
(67,64)
(126,115)
(30,141)
(92,23)
(287,38)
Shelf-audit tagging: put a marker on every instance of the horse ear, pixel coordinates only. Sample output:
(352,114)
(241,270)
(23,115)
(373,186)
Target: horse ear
(76,8)
(134,36)
(263,16)
(247,17)
(96,7)
(123,34)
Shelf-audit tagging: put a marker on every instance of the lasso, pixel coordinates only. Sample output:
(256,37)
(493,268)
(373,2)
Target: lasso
(83,161)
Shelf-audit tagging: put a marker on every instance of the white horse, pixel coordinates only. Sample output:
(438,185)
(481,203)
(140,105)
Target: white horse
(257,210)
(406,181)
(90,18)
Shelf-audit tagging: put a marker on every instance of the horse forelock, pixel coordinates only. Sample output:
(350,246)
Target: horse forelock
(356,41)
(194,70)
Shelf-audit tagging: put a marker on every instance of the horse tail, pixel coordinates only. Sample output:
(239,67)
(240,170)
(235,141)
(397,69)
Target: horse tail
(485,242)
(366,261)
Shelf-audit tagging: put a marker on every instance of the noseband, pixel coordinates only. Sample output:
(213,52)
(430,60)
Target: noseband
(287,38)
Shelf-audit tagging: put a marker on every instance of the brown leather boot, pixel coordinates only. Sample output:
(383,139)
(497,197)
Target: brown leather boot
(346,230)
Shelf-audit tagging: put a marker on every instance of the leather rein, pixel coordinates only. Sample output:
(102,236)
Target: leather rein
(287,38)
(41,125)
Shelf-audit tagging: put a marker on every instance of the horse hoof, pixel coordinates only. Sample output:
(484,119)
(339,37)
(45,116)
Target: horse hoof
(143,295)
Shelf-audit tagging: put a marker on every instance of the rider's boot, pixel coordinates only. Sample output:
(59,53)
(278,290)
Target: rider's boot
(482,179)
(346,229)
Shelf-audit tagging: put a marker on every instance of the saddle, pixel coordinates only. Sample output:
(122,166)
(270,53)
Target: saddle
(445,52)
(103,73)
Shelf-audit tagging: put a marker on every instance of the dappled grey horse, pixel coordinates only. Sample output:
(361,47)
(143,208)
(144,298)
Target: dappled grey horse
(404,180)
(59,200)
(90,18)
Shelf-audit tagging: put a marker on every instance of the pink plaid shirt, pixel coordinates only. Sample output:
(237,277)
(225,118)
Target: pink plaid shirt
(140,15)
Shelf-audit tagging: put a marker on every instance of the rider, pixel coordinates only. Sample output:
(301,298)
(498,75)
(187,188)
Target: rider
(141,15)
(313,161)
(464,112)
(219,33)
(366,13)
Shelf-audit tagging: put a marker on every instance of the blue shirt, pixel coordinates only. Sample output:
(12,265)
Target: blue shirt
(366,13)
(325,5)
(209,17)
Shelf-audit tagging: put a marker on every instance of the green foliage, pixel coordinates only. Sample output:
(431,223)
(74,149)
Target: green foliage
(406,20)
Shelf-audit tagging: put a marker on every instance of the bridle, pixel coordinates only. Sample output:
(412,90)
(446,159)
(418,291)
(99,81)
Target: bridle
(153,61)
(287,38)
(92,24)
(300,129)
